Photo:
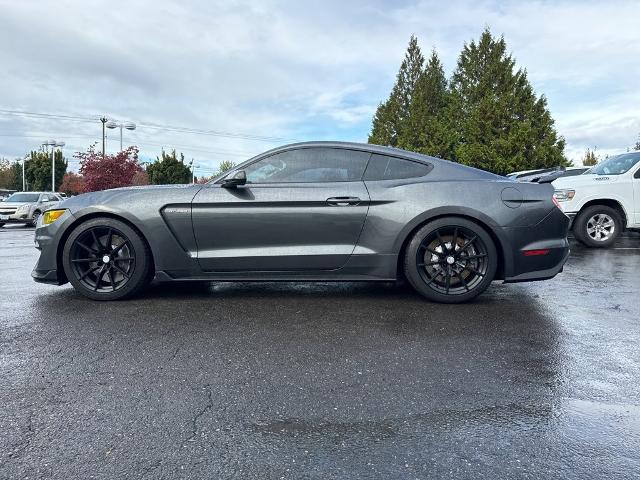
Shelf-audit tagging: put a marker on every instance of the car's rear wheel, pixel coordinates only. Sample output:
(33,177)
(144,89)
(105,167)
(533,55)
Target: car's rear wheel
(106,259)
(451,260)
(597,226)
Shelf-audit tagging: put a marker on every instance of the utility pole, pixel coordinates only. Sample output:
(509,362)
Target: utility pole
(24,183)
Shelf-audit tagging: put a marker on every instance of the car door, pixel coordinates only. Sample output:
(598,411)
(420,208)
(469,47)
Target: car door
(300,210)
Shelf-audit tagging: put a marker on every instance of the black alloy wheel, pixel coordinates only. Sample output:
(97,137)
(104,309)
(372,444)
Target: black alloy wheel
(105,259)
(451,260)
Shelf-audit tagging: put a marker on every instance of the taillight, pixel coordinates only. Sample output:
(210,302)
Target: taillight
(537,252)
(556,202)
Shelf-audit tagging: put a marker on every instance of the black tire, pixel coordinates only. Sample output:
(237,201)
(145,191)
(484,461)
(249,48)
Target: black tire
(106,259)
(1,225)
(35,217)
(597,226)
(451,260)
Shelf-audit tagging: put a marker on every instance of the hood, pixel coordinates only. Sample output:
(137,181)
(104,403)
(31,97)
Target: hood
(585,180)
(125,194)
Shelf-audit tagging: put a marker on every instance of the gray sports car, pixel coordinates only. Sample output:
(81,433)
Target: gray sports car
(320,211)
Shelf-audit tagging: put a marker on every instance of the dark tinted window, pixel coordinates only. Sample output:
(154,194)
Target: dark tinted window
(309,165)
(382,167)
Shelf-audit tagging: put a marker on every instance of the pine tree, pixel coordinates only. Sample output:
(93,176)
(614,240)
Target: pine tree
(169,169)
(637,145)
(38,170)
(589,158)
(390,117)
(500,124)
(426,129)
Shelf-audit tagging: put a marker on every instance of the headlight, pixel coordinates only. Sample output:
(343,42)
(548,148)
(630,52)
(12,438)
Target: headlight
(51,216)
(564,195)
(23,208)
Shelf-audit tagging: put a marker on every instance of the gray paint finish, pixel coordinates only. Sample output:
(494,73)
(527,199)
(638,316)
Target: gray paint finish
(294,231)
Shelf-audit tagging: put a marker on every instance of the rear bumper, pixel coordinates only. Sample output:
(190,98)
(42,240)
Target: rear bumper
(548,239)
(540,274)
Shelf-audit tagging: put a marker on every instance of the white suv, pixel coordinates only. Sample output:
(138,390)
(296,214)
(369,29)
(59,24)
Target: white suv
(604,200)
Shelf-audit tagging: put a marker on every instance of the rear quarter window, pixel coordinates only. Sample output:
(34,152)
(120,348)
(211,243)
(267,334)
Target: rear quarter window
(382,167)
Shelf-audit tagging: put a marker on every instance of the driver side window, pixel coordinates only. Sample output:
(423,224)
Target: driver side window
(309,165)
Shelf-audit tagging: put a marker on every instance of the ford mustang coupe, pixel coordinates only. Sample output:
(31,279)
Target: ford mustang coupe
(318,211)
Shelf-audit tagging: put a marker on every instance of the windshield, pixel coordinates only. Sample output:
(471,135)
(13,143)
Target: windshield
(23,198)
(616,165)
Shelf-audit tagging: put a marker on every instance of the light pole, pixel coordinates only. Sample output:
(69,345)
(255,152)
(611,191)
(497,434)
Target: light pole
(24,183)
(127,125)
(53,144)
(194,172)
(103,120)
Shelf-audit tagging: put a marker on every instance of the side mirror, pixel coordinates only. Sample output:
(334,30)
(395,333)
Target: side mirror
(238,178)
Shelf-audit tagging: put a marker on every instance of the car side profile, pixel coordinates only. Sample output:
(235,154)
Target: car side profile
(315,211)
(26,207)
(604,201)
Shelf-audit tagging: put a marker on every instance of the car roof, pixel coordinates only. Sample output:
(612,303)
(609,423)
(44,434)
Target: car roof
(365,147)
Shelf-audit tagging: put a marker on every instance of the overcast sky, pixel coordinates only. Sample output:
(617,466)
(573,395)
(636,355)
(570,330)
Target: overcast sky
(293,70)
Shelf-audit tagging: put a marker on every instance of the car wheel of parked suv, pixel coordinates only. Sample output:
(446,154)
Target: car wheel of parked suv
(597,226)
(451,260)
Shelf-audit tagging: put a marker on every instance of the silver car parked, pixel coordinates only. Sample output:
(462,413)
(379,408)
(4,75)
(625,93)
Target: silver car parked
(26,207)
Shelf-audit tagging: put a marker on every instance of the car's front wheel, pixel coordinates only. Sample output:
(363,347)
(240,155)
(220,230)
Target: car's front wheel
(34,219)
(597,226)
(451,260)
(106,259)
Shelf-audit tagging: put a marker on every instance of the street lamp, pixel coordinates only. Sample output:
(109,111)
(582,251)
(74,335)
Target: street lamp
(126,125)
(53,144)
(194,172)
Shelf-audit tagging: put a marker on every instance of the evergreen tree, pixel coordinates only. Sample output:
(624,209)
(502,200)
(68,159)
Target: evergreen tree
(38,171)
(168,169)
(589,158)
(499,123)
(637,145)
(426,129)
(390,117)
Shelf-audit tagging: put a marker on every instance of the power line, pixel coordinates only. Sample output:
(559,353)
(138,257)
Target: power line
(195,148)
(169,128)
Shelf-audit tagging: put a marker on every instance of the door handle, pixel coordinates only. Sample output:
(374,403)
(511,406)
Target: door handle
(343,201)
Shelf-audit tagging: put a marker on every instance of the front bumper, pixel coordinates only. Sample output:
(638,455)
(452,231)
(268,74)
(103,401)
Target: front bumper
(47,239)
(46,276)
(16,218)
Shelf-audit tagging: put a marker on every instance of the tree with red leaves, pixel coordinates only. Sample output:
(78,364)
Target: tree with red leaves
(72,184)
(109,171)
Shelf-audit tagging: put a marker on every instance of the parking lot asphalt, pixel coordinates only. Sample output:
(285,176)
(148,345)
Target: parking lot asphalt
(281,380)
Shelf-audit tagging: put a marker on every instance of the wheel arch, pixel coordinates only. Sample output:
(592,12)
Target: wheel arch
(416,225)
(611,203)
(90,216)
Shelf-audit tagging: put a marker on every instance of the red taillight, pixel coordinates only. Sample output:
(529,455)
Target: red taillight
(556,202)
(535,253)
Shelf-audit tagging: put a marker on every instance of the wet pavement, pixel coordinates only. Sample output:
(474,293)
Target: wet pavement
(538,380)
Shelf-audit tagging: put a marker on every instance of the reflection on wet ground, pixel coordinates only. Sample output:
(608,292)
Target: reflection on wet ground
(323,380)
